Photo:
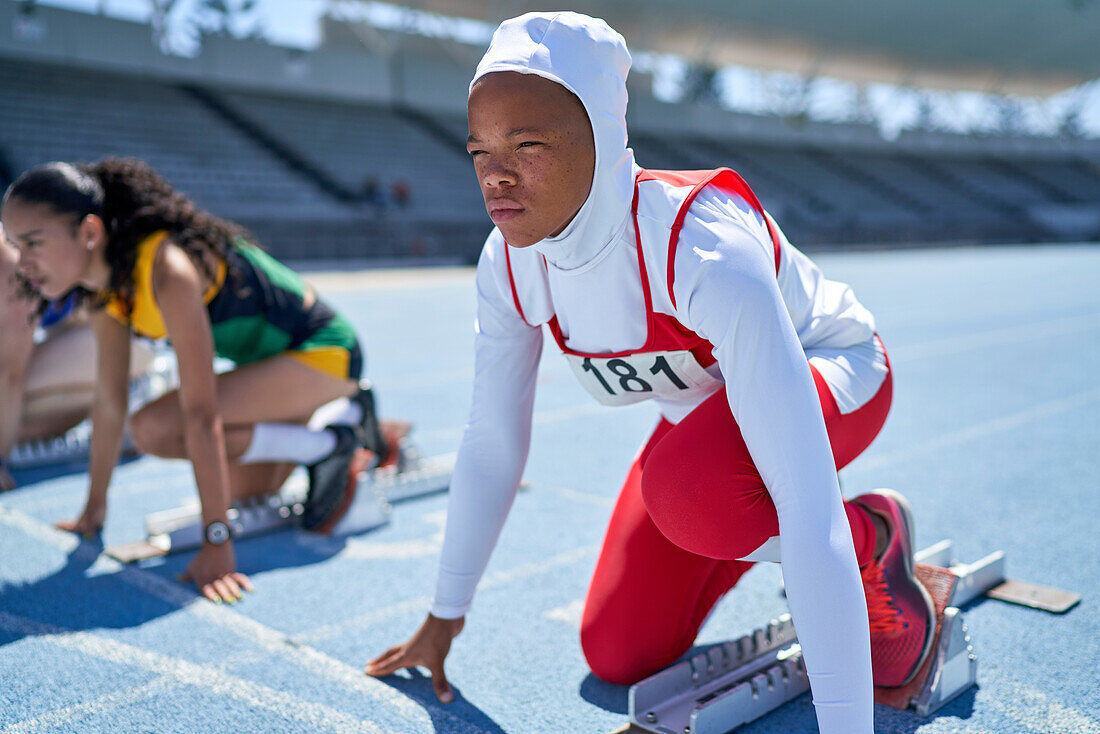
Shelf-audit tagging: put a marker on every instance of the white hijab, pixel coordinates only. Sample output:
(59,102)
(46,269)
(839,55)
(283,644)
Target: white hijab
(590,59)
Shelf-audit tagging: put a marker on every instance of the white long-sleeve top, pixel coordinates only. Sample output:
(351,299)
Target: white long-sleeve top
(762,325)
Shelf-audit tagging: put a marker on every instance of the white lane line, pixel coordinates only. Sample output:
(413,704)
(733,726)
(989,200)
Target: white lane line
(421,604)
(982,430)
(78,711)
(570,613)
(200,676)
(266,638)
(994,337)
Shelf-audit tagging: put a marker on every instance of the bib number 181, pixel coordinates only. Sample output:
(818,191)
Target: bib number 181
(627,375)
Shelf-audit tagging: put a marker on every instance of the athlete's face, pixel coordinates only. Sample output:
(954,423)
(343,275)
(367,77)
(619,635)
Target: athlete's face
(53,250)
(533,153)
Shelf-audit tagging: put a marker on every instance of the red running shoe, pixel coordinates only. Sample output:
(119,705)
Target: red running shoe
(899,608)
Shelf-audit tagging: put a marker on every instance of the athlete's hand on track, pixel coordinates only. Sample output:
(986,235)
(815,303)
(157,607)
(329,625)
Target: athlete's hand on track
(428,647)
(214,572)
(88,524)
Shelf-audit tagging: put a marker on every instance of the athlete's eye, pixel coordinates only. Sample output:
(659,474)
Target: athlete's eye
(528,143)
(475,152)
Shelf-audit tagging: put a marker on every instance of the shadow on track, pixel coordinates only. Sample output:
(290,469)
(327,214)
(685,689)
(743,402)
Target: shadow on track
(459,717)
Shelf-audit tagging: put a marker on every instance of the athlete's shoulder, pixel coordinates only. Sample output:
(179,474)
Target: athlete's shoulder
(660,199)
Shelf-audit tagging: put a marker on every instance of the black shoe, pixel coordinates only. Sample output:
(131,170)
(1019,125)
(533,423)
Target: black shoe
(371,430)
(331,481)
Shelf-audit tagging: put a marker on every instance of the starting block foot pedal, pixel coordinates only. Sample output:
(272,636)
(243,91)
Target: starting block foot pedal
(723,687)
(987,577)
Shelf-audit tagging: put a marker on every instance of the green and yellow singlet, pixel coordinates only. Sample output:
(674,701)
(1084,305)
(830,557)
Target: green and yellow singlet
(258,317)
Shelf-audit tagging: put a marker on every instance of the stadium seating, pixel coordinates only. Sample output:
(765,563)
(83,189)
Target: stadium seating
(295,168)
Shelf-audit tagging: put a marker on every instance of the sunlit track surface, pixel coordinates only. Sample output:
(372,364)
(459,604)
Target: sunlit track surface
(992,437)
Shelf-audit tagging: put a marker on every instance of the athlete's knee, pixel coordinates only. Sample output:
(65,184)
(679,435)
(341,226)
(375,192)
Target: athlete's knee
(722,517)
(152,434)
(614,655)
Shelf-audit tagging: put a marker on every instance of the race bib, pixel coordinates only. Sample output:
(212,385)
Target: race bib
(641,376)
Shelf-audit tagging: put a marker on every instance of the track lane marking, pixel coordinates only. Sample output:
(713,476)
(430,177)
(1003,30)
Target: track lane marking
(273,641)
(199,676)
(75,712)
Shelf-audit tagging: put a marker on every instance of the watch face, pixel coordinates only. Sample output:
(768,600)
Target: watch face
(217,533)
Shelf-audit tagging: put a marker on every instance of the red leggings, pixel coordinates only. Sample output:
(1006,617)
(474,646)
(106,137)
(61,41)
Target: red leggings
(684,512)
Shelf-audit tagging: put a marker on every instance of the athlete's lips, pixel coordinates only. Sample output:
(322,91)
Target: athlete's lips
(504,210)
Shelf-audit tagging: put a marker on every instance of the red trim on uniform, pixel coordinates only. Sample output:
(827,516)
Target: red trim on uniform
(724,178)
(512,283)
(663,332)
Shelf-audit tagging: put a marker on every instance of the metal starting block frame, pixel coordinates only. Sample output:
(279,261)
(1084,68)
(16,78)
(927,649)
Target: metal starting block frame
(180,529)
(725,686)
(987,577)
(739,681)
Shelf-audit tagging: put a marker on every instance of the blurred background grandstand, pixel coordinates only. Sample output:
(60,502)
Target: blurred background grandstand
(336,129)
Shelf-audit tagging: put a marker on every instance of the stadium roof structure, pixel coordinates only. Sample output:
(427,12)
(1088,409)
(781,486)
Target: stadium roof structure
(1032,47)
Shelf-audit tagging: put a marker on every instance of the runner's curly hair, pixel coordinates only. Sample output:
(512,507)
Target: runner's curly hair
(133,201)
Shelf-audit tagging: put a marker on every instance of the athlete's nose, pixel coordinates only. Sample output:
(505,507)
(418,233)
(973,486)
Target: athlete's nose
(498,175)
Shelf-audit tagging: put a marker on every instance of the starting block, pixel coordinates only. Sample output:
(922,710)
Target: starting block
(180,529)
(736,682)
(723,687)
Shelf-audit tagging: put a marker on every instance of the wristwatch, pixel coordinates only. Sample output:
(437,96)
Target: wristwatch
(217,533)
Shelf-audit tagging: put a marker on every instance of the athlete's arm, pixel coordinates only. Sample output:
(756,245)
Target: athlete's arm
(726,290)
(109,407)
(490,462)
(494,445)
(178,287)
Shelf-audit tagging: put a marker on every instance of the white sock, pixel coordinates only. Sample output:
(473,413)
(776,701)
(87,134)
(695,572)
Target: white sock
(340,411)
(287,442)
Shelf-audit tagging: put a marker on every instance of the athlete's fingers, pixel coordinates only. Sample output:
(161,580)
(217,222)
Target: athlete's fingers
(243,581)
(234,589)
(223,591)
(388,664)
(378,660)
(440,684)
(209,593)
(393,660)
